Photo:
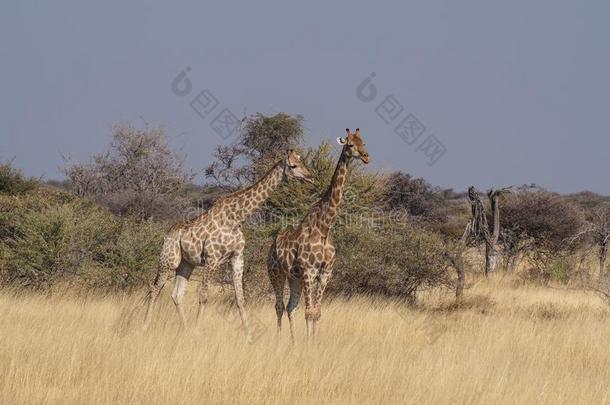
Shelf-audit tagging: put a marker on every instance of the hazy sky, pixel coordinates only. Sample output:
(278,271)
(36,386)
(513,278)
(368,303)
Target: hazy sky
(516,91)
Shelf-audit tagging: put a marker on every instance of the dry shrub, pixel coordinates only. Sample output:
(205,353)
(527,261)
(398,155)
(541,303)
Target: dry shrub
(139,175)
(415,195)
(545,219)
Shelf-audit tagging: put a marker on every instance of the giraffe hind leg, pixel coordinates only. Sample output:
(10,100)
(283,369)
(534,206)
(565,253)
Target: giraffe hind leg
(183,273)
(169,261)
(278,280)
(203,295)
(296,286)
(153,293)
(237,263)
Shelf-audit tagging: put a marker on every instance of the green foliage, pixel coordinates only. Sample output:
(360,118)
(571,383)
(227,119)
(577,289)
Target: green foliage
(49,239)
(267,137)
(12,181)
(559,270)
(551,267)
(363,191)
(393,259)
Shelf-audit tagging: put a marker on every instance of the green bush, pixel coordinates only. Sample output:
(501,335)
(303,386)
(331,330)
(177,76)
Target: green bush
(392,259)
(49,239)
(12,181)
(363,190)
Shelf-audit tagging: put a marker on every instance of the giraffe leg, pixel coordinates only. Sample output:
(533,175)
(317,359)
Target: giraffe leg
(237,262)
(182,276)
(308,292)
(153,293)
(296,285)
(278,279)
(325,274)
(203,295)
(169,261)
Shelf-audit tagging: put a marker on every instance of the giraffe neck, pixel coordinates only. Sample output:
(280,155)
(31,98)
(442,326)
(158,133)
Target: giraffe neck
(332,198)
(243,203)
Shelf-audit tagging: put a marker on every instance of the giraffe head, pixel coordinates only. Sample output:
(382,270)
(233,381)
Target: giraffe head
(353,146)
(295,168)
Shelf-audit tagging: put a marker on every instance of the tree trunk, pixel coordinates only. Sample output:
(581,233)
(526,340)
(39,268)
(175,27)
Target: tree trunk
(491,259)
(492,253)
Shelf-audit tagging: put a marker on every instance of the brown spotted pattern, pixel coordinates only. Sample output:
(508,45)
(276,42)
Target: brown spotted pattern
(304,256)
(214,238)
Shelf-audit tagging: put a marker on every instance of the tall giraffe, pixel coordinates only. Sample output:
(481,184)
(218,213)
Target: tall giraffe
(306,254)
(215,237)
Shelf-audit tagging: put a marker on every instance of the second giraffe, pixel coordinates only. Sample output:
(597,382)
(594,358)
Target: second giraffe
(305,255)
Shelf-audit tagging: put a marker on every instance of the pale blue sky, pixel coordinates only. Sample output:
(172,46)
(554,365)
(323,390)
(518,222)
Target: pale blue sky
(517,91)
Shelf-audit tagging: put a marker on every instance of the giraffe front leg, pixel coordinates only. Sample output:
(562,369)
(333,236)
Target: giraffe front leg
(308,281)
(317,307)
(237,262)
(322,282)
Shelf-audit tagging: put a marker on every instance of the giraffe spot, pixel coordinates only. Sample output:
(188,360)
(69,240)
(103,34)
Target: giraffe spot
(312,258)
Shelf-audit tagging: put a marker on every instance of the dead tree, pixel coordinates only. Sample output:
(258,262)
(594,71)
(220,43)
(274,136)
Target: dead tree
(491,246)
(478,230)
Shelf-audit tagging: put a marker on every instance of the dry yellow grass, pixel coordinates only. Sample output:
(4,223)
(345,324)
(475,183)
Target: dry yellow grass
(506,345)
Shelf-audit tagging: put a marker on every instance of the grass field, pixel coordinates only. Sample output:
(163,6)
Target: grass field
(504,345)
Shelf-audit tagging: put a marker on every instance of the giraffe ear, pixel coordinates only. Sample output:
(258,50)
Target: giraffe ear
(341,141)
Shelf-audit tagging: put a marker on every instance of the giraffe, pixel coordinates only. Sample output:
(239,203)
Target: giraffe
(215,237)
(306,254)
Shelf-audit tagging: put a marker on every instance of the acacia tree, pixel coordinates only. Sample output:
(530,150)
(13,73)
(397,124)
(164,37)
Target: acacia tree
(261,141)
